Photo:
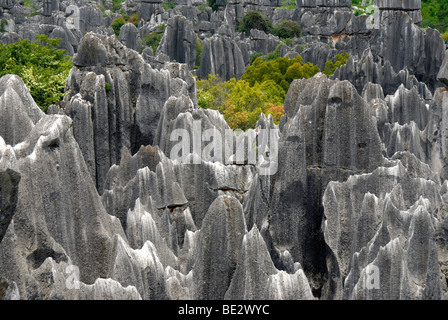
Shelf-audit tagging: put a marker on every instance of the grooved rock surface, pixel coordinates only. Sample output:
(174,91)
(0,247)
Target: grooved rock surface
(127,190)
(443,73)
(222,56)
(179,41)
(117,99)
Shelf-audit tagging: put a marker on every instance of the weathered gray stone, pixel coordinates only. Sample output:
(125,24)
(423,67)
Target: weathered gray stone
(179,41)
(58,212)
(129,36)
(221,56)
(326,109)
(9,181)
(379,210)
(443,73)
(378,73)
(127,110)
(218,248)
(16,103)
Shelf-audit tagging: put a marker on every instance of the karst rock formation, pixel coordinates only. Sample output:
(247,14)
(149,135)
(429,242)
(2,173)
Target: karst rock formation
(93,205)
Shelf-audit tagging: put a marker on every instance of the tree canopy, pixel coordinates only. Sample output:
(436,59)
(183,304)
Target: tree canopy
(41,65)
(262,89)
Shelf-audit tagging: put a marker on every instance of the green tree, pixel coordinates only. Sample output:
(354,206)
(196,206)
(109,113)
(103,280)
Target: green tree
(41,65)
(212,4)
(3,24)
(153,38)
(435,14)
(117,23)
(262,89)
(331,66)
(254,20)
(287,29)
(199,48)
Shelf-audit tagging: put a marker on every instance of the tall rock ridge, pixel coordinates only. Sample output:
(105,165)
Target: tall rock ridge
(127,189)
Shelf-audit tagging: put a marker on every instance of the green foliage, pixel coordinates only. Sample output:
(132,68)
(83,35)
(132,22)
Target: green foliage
(212,4)
(262,89)
(202,7)
(274,54)
(199,48)
(31,5)
(167,5)
(282,71)
(117,23)
(290,6)
(108,87)
(254,56)
(42,67)
(116,4)
(435,14)
(3,24)
(331,66)
(239,102)
(445,36)
(153,38)
(359,9)
(287,29)
(254,20)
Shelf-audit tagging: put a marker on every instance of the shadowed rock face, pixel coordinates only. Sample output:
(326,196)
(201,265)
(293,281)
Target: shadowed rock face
(443,73)
(222,56)
(328,134)
(179,41)
(58,214)
(9,181)
(218,248)
(116,100)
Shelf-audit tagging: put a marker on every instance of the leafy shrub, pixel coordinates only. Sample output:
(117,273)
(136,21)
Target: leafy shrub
(287,29)
(445,36)
(3,24)
(108,87)
(153,38)
(262,89)
(435,14)
(212,4)
(167,5)
(274,54)
(42,67)
(254,56)
(282,71)
(290,6)
(117,23)
(254,20)
(331,66)
(116,4)
(199,48)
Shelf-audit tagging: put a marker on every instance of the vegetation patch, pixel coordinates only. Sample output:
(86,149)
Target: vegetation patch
(117,23)
(41,65)
(3,24)
(262,89)
(199,48)
(332,65)
(168,5)
(153,38)
(435,15)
